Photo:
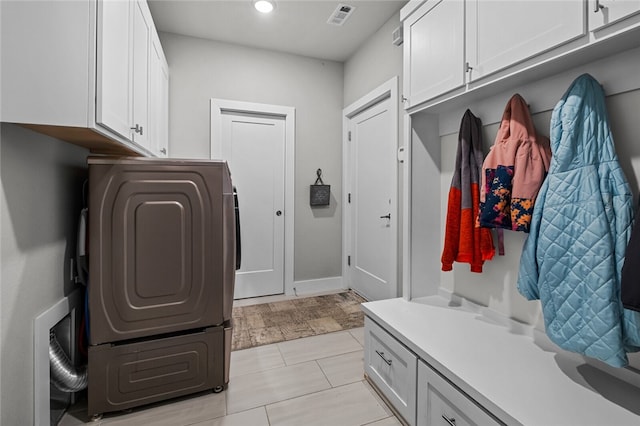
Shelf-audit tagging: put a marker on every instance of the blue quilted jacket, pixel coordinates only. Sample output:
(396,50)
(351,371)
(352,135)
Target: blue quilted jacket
(573,256)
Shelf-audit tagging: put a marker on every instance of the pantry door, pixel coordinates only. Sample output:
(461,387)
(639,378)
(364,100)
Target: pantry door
(371,225)
(253,141)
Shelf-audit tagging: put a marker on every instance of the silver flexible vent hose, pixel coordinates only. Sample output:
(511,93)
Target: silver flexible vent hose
(64,375)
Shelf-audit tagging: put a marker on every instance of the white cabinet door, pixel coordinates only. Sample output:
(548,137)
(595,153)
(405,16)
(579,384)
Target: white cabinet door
(433,50)
(392,368)
(440,403)
(158,100)
(141,43)
(113,78)
(503,33)
(605,12)
(125,82)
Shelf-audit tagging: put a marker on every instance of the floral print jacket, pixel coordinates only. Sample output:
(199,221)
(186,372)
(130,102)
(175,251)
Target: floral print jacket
(513,170)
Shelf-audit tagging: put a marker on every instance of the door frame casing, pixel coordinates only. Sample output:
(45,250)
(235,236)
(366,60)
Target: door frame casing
(219,107)
(387,90)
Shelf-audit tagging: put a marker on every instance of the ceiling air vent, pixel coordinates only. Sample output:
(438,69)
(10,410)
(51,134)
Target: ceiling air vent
(341,14)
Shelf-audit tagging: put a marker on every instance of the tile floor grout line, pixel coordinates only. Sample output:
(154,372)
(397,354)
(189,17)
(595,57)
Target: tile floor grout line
(324,374)
(286,399)
(285,364)
(284,360)
(305,393)
(379,420)
(266,413)
(310,393)
(362,381)
(337,355)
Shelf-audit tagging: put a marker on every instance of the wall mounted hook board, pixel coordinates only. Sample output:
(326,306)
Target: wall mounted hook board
(319,193)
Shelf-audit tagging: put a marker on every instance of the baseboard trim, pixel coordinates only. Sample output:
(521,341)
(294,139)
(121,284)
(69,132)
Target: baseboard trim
(319,285)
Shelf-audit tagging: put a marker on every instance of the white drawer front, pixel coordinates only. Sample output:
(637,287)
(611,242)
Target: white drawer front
(440,403)
(393,369)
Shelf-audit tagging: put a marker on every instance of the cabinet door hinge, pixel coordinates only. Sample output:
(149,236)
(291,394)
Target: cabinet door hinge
(348,260)
(349,136)
(349,198)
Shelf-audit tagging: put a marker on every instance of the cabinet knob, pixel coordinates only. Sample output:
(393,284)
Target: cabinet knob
(597,6)
(163,151)
(137,129)
(450,420)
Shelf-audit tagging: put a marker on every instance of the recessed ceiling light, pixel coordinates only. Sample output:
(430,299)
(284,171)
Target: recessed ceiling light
(264,6)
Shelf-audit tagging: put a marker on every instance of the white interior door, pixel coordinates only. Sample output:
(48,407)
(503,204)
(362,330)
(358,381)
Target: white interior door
(373,212)
(254,147)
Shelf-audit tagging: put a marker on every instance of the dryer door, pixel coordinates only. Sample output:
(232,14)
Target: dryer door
(156,248)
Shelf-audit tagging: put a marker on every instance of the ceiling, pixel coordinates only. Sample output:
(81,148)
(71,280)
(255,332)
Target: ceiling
(295,26)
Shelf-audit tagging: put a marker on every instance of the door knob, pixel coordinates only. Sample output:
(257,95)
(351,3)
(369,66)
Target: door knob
(388,216)
(279,213)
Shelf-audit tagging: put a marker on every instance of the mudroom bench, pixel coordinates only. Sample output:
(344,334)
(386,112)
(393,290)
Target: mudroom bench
(442,360)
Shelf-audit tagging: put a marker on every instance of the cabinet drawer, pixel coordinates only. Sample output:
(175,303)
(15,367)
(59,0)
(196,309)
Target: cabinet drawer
(392,368)
(440,403)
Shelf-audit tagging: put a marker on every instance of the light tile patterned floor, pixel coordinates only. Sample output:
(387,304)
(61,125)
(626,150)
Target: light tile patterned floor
(313,381)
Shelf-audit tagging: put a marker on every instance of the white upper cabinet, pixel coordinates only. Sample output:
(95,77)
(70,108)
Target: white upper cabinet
(455,49)
(123,72)
(502,33)
(90,84)
(603,13)
(433,50)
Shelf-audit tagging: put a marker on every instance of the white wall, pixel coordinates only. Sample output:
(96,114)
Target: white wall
(374,63)
(496,286)
(40,198)
(201,70)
